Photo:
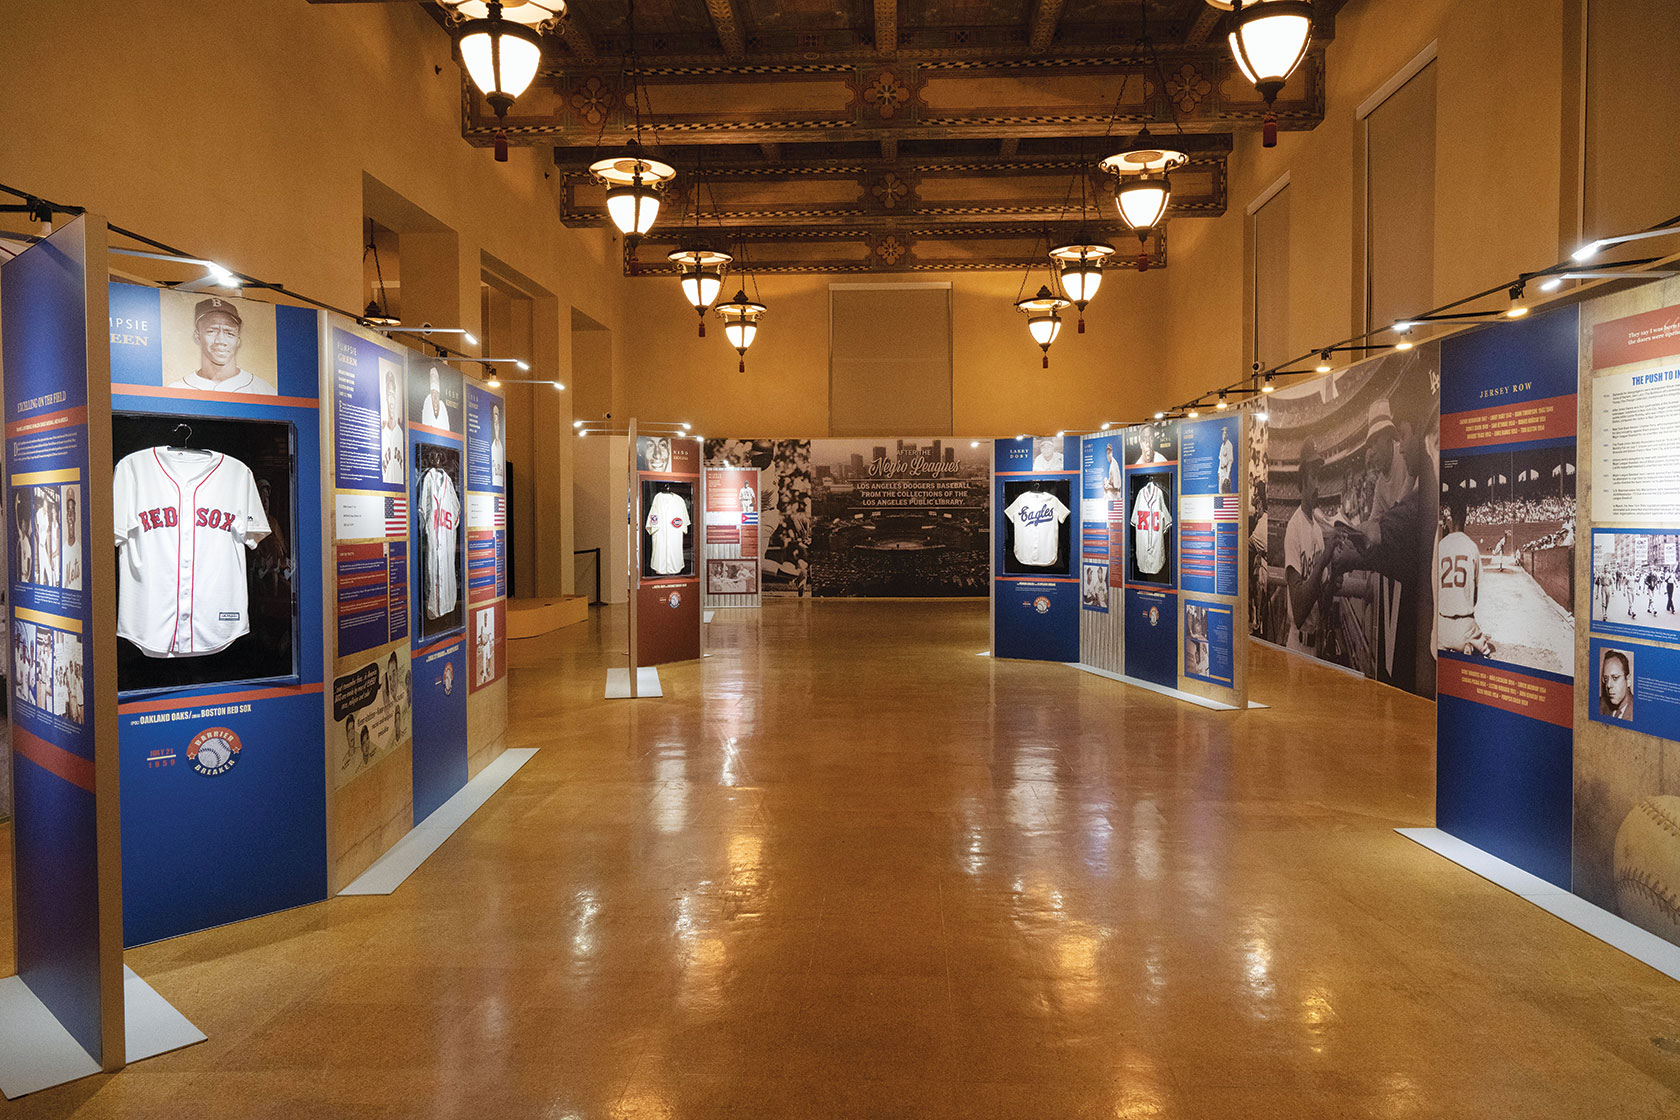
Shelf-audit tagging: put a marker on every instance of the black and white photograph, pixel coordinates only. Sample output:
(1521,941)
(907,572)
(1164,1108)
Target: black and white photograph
(392,437)
(439,522)
(434,394)
(900,517)
(1195,639)
(71,508)
(498,447)
(653,453)
(731,577)
(1094,586)
(1616,684)
(1149,445)
(785,517)
(68,691)
(484,642)
(1047,454)
(1633,582)
(1347,521)
(218,344)
(1518,534)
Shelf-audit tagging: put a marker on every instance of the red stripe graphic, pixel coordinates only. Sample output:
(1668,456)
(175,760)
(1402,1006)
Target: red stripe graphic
(54,759)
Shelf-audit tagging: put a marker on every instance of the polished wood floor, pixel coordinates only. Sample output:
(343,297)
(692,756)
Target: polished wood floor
(848,868)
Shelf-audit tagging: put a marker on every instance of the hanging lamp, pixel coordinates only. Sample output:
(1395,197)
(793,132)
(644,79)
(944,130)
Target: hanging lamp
(633,178)
(1081,264)
(499,42)
(701,272)
(1044,317)
(740,323)
(1269,39)
(1143,187)
(378,311)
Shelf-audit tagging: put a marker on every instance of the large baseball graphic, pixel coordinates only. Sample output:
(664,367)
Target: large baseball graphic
(1646,865)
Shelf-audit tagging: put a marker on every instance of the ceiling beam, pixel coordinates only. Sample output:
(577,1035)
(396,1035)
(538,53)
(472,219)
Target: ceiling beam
(1008,146)
(886,27)
(728,28)
(576,36)
(772,152)
(889,149)
(1046,15)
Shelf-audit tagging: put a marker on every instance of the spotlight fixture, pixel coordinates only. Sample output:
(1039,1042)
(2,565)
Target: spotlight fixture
(1107,425)
(974,443)
(1323,363)
(1551,284)
(1269,39)
(1160,416)
(1193,413)
(1403,345)
(1586,252)
(493,381)
(1401,326)
(577,423)
(1222,404)
(701,271)
(740,323)
(1044,317)
(1081,262)
(1519,306)
(1266,386)
(500,44)
(687,427)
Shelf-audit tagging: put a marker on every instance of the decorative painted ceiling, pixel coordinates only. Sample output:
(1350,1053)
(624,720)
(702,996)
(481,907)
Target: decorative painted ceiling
(894,135)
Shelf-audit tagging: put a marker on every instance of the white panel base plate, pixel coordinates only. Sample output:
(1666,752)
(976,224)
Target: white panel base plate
(647,683)
(1188,698)
(36,1052)
(708,616)
(1619,933)
(151,1024)
(405,857)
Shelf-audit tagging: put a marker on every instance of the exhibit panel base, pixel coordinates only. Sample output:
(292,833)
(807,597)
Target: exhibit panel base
(1163,690)
(1640,944)
(647,683)
(36,1052)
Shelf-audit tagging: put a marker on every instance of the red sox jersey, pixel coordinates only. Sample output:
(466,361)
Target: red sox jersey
(184,519)
(1150,522)
(1038,516)
(667,524)
(440,521)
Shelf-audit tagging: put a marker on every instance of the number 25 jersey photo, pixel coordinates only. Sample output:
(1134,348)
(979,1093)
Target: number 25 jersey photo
(184,519)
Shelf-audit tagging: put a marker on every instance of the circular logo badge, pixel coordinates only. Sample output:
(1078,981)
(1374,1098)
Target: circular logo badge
(213,751)
(1041,605)
(675,599)
(1154,616)
(448,678)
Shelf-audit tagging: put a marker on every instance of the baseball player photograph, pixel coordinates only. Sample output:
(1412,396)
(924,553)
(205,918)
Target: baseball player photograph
(1114,483)
(1307,555)
(1227,461)
(498,449)
(351,741)
(1459,567)
(70,503)
(1146,453)
(1047,455)
(24,509)
(1615,685)
(433,412)
(486,643)
(218,333)
(46,537)
(1096,586)
(391,442)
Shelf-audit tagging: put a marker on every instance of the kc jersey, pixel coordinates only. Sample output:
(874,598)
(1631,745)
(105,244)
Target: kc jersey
(1038,516)
(440,523)
(184,519)
(667,525)
(1151,520)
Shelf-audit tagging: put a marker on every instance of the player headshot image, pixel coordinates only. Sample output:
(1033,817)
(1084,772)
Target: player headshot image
(72,539)
(659,454)
(1115,482)
(349,740)
(1227,460)
(390,430)
(1048,456)
(498,452)
(433,412)
(218,332)
(1146,445)
(366,745)
(1615,685)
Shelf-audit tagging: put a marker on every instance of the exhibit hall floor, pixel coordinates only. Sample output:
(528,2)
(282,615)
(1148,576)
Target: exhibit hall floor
(848,867)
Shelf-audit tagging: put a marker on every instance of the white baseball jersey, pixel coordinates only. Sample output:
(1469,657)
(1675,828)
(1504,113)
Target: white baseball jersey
(1458,572)
(1151,520)
(498,463)
(181,517)
(434,415)
(1303,542)
(391,452)
(440,523)
(667,524)
(1226,456)
(1038,515)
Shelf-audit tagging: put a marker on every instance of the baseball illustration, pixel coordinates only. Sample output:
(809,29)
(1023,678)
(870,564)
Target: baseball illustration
(1646,866)
(214,753)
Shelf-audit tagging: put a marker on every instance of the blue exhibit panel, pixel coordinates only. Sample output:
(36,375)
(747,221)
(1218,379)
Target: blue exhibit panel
(1036,617)
(211,842)
(1152,636)
(1503,782)
(1037,620)
(44,306)
(440,724)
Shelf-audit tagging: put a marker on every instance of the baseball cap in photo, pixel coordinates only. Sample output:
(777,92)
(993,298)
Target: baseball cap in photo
(1381,420)
(216,304)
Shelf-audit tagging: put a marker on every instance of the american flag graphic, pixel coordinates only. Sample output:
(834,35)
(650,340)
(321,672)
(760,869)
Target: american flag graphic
(501,512)
(396,516)
(1226,507)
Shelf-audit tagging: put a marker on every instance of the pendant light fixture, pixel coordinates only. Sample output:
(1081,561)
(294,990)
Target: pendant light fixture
(701,273)
(1269,39)
(499,42)
(378,311)
(1081,264)
(740,323)
(1142,188)
(1044,317)
(633,178)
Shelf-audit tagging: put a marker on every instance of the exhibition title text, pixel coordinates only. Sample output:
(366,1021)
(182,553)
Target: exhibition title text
(886,468)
